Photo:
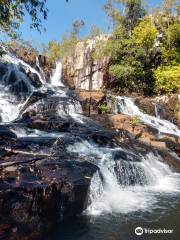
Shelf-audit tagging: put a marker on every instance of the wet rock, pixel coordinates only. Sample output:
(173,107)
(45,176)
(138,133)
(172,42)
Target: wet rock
(7,137)
(34,78)
(171,159)
(90,101)
(121,154)
(146,105)
(30,55)
(103,138)
(36,194)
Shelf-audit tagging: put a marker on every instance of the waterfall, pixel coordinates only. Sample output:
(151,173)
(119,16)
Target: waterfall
(9,107)
(40,69)
(12,59)
(125,186)
(56,77)
(126,181)
(125,105)
(15,86)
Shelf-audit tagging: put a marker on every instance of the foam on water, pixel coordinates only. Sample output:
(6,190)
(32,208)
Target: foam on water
(120,185)
(40,69)
(24,132)
(125,105)
(56,77)
(10,105)
(107,194)
(12,59)
(9,108)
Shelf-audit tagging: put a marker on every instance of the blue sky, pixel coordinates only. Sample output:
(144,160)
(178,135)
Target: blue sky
(62,14)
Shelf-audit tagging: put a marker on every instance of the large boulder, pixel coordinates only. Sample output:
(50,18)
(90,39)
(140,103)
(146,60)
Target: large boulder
(38,190)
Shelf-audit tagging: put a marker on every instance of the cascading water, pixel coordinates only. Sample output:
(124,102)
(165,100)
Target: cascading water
(56,77)
(16,61)
(40,70)
(126,106)
(126,181)
(125,186)
(9,107)
(15,86)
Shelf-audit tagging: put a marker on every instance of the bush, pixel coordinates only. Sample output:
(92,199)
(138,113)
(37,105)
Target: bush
(167,80)
(66,48)
(103,108)
(135,121)
(128,77)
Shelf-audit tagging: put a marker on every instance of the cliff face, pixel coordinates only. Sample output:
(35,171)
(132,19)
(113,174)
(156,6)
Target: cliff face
(83,72)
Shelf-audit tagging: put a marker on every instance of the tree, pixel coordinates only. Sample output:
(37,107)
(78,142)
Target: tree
(170,6)
(113,13)
(13,12)
(134,11)
(53,50)
(127,15)
(167,80)
(144,35)
(66,47)
(94,32)
(76,27)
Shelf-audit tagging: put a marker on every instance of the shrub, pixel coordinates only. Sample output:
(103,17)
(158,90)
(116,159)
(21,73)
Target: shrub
(103,108)
(129,77)
(167,80)
(135,121)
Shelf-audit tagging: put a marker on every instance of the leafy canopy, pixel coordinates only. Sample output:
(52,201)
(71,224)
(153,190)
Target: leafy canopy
(12,13)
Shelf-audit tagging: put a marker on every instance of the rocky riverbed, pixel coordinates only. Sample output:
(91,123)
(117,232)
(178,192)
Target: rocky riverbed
(55,162)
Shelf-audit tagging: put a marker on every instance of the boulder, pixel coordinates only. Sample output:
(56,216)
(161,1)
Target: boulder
(7,137)
(90,101)
(39,191)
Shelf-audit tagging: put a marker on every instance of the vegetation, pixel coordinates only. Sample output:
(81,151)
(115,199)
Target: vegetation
(94,32)
(103,108)
(144,50)
(66,47)
(176,110)
(13,12)
(21,44)
(135,121)
(167,79)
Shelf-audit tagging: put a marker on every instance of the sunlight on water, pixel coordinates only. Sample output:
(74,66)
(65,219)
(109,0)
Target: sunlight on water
(126,106)
(107,194)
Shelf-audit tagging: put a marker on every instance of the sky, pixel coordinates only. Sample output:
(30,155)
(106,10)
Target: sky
(61,15)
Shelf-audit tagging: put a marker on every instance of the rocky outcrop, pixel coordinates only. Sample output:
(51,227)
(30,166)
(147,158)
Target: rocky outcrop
(125,126)
(39,188)
(165,107)
(83,72)
(90,101)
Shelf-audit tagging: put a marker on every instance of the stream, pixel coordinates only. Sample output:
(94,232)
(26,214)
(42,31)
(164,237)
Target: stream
(130,190)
